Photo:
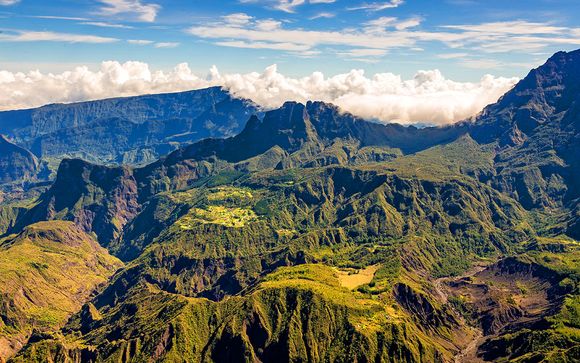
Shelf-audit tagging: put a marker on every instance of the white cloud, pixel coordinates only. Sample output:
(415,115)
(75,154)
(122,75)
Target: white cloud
(323,15)
(142,12)
(166,45)
(386,33)
(289,47)
(287,6)
(237,19)
(268,25)
(518,27)
(156,45)
(46,36)
(8,2)
(140,41)
(364,52)
(378,6)
(385,24)
(275,34)
(102,24)
(54,17)
(428,97)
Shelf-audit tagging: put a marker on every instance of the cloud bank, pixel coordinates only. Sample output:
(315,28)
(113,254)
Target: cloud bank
(427,97)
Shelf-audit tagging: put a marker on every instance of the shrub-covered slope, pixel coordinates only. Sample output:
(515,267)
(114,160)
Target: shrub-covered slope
(47,272)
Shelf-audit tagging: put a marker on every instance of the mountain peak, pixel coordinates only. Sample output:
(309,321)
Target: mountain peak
(545,95)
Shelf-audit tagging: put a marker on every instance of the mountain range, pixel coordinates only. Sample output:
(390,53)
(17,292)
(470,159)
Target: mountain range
(133,130)
(307,234)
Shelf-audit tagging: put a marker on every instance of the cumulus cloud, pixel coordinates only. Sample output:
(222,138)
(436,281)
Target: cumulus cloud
(427,97)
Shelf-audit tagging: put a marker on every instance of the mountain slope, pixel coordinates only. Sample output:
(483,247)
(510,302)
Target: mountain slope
(404,244)
(537,124)
(16,163)
(47,272)
(130,130)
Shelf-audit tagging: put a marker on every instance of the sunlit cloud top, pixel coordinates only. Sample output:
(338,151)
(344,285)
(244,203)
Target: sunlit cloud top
(428,97)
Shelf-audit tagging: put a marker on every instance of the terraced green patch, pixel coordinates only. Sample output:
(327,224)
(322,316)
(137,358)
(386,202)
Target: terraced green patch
(225,194)
(215,214)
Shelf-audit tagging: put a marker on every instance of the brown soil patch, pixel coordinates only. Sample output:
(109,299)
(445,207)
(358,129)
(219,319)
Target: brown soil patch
(352,278)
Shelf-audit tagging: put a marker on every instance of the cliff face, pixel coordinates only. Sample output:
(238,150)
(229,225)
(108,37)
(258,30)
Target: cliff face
(97,198)
(16,163)
(131,130)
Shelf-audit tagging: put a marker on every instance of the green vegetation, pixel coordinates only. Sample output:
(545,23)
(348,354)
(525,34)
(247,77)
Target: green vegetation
(315,236)
(229,217)
(462,158)
(315,319)
(47,272)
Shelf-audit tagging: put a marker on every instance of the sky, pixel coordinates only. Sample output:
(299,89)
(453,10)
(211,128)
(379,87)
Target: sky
(421,61)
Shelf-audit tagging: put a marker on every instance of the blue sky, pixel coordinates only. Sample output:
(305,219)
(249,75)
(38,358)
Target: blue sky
(463,38)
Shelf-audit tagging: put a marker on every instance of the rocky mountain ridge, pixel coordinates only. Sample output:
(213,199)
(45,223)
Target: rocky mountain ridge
(131,130)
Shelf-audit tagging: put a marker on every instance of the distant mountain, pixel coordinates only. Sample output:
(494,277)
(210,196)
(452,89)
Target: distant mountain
(537,165)
(313,235)
(130,130)
(293,136)
(16,163)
